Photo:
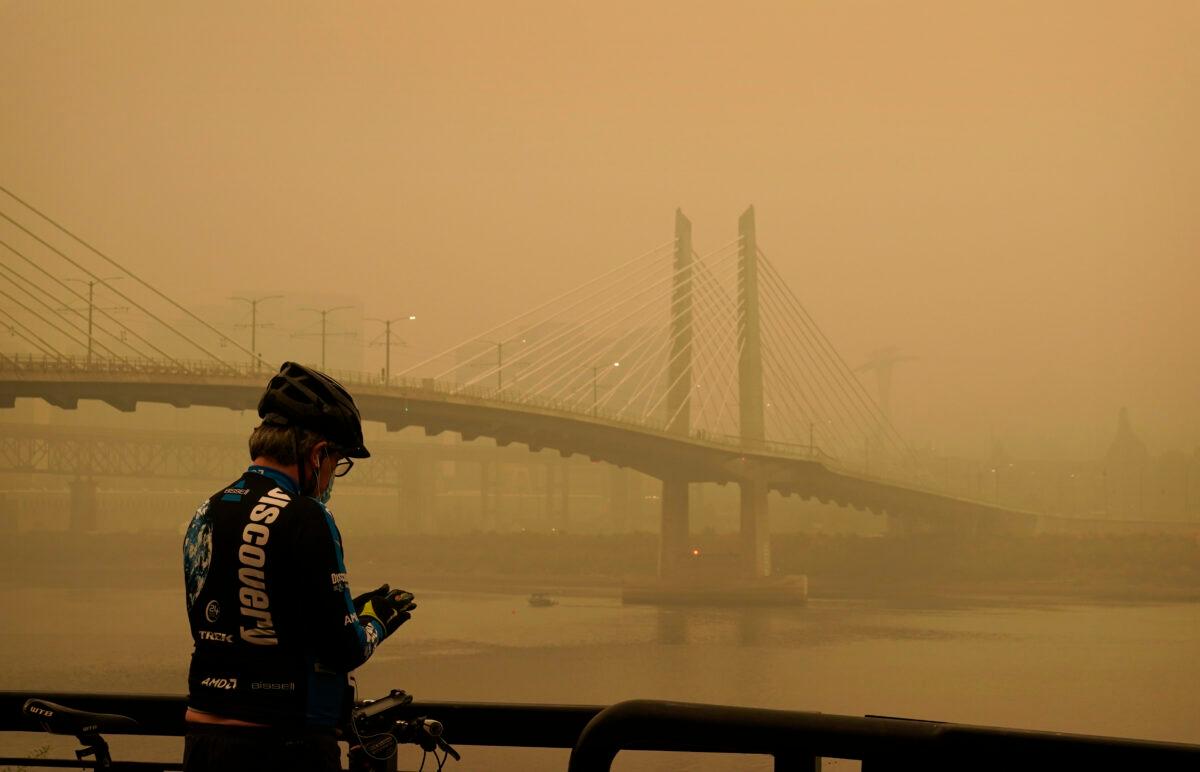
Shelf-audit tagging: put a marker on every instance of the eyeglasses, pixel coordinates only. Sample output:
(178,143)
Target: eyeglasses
(343,467)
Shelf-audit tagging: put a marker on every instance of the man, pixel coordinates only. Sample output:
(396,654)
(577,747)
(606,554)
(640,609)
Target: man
(276,631)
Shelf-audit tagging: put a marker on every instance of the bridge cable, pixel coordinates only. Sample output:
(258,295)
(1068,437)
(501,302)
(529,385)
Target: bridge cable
(713,294)
(116,291)
(825,405)
(850,413)
(733,317)
(640,336)
(836,410)
(45,345)
(643,352)
(534,310)
(671,322)
(882,426)
(666,340)
(809,374)
(786,394)
(644,356)
(781,413)
(691,348)
(128,273)
(789,388)
(736,317)
(877,424)
(657,298)
(862,402)
(615,349)
(636,273)
(79,295)
(648,368)
(661,351)
(717,258)
(569,332)
(784,388)
(51,308)
(43,319)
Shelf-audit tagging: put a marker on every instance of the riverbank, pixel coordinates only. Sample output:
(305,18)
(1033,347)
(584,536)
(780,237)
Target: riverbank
(1047,567)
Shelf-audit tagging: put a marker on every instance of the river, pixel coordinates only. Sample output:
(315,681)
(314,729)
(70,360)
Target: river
(1125,670)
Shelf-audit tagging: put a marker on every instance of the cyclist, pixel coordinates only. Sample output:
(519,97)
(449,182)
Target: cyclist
(276,630)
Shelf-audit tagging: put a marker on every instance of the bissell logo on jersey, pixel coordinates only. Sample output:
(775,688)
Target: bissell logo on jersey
(279,687)
(252,573)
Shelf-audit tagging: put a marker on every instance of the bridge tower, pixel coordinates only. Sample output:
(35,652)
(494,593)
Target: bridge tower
(673,539)
(756,544)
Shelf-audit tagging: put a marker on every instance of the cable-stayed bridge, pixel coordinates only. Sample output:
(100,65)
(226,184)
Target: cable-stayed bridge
(687,366)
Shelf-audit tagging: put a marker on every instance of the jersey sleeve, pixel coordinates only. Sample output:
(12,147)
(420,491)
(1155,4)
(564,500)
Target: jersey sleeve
(341,640)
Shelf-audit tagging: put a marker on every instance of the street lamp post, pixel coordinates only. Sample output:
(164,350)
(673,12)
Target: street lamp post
(254,325)
(387,344)
(325,312)
(91,285)
(596,386)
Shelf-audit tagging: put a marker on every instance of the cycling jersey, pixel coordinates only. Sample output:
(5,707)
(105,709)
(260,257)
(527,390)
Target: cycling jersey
(273,622)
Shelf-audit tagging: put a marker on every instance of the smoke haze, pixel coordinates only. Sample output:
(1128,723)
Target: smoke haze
(1005,192)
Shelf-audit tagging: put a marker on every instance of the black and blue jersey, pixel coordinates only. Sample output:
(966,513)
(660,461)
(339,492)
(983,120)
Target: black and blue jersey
(269,604)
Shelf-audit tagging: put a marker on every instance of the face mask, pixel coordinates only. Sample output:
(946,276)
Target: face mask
(326,494)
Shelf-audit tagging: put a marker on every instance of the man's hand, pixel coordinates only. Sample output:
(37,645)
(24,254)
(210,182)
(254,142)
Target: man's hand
(391,609)
(361,600)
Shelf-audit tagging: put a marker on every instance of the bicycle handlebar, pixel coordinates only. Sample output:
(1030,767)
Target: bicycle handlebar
(375,725)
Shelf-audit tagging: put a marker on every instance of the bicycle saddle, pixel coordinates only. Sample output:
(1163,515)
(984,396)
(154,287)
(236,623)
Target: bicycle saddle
(59,719)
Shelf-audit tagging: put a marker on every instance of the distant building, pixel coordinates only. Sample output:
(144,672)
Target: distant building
(1125,471)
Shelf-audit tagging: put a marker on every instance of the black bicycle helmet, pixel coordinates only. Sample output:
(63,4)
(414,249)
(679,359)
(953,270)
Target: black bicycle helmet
(310,399)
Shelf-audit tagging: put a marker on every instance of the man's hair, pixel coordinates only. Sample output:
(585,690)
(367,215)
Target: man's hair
(280,442)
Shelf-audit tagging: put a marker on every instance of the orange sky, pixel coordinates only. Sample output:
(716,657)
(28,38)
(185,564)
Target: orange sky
(1007,191)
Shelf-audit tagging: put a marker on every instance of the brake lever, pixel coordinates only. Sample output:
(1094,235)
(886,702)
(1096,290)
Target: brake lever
(445,746)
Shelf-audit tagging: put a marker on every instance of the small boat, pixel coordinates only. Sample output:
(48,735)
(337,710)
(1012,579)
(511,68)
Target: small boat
(541,600)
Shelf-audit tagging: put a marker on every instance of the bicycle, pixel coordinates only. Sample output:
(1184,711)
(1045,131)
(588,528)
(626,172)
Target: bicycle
(379,733)
(86,726)
(374,731)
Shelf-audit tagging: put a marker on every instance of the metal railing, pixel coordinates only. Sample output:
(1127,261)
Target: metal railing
(29,363)
(595,734)
(482,395)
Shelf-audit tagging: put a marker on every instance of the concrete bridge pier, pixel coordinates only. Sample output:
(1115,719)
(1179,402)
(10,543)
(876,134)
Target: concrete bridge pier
(675,529)
(756,535)
(84,505)
(756,539)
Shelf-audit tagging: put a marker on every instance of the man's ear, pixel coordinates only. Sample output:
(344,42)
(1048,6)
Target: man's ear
(314,455)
